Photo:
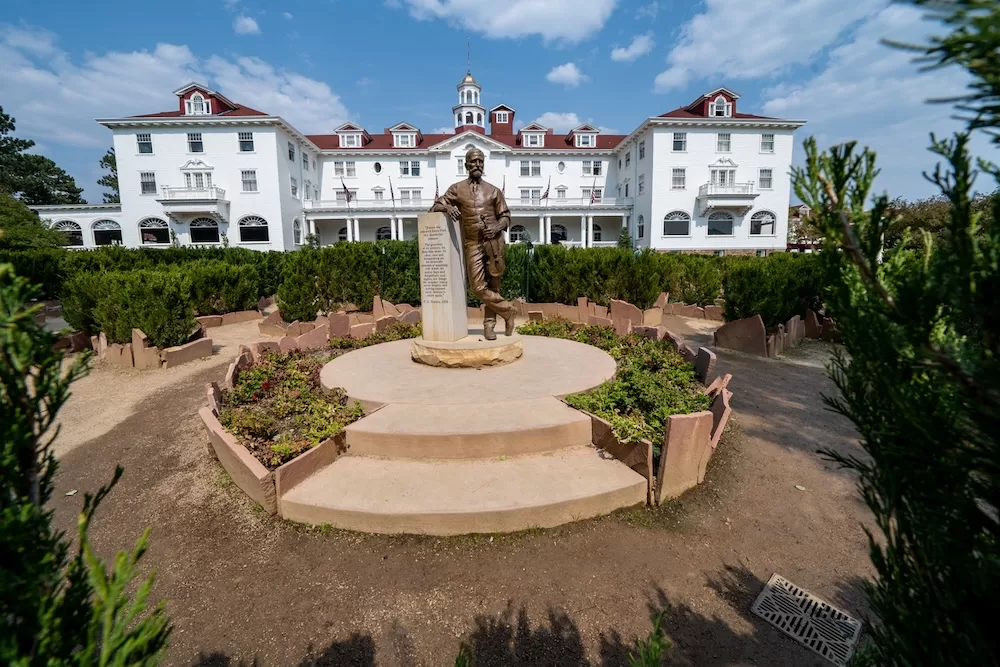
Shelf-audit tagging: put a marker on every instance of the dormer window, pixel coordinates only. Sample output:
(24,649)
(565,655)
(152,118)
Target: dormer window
(197,105)
(533,140)
(502,117)
(721,108)
(405,140)
(585,140)
(350,140)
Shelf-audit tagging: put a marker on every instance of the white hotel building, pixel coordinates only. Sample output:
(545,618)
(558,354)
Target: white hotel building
(702,178)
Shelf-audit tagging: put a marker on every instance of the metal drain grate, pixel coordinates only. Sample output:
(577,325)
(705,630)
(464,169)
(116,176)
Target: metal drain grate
(808,620)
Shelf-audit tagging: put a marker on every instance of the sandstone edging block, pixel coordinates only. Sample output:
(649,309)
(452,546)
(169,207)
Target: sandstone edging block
(746,335)
(686,441)
(287,475)
(246,471)
(182,354)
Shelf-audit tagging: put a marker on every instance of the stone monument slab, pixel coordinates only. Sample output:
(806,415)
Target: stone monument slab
(442,285)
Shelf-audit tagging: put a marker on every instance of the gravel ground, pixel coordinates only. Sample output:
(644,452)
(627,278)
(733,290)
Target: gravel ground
(245,588)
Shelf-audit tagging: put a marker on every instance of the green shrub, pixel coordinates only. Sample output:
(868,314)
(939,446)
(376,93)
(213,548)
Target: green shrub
(155,301)
(776,287)
(80,296)
(217,288)
(43,267)
(298,296)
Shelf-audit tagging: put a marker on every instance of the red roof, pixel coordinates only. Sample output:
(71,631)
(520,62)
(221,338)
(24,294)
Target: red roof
(683,112)
(240,110)
(384,141)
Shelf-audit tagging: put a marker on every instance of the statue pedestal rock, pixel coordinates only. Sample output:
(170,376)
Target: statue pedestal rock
(446,341)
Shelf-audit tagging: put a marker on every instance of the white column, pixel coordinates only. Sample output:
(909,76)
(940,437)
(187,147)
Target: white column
(392,227)
(350,231)
(506,235)
(548,229)
(541,229)
(583,232)
(624,221)
(357,230)
(312,227)
(590,231)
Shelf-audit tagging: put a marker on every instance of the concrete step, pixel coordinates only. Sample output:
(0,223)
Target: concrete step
(512,428)
(458,496)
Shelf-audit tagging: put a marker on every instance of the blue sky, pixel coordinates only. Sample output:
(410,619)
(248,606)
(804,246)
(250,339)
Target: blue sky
(318,63)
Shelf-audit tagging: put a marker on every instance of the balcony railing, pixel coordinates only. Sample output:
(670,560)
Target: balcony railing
(569,202)
(710,189)
(425,203)
(369,204)
(211,192)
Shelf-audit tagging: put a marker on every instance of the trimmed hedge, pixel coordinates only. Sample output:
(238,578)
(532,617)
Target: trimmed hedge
(777,287)
(313,279)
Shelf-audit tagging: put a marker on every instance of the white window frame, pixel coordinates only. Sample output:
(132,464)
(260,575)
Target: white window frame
(760,215)
(642,149)
(293,186)
(518,233)
(681,137)
(640,228)
(722,215)
(724,142)
(350,169)
(379,194)
(628,159)
(405,140)
(588,167)
(769,179)
(291,152)
(244,137)
(677,216)
(722,176)
(305,161)
(190,108)
(587,191)
(641,184)
(586,140)
(461,167)
(726,107)
(678,183)
(350,140)
(249,176)
(561,192)
(532,198)
(195,138)
(150,181)
(139,141)
(338,167)
(502,117)
(411,195)
(767,146)
(296,232)
(534,139)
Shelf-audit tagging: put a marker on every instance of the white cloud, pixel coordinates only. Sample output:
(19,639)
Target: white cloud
(648,12)
(725,41)
(244,25)
(564,122)
(640,46)
(569,21)
(875,94)
(443,130)
(568,75)
(55,97)
(230,4)
(288,15)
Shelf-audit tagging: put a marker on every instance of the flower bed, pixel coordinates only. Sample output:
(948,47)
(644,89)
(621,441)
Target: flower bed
(652,382)
(277,408)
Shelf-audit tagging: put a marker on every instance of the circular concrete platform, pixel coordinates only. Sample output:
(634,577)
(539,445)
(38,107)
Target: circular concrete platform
(473,351)
(549,367)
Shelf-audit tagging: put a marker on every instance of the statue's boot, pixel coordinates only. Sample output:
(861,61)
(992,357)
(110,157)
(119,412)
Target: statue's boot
(508,325)
(488,332)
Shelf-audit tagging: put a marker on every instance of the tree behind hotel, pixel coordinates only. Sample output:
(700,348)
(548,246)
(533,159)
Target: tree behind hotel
(920,379)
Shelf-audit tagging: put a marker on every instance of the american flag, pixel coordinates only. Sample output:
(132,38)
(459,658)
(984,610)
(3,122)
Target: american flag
(593,192)
(545,195)
(347,193)
(392,194)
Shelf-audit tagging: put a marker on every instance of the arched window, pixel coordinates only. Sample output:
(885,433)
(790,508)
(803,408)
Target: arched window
(468,118)
(196,105)
(73,232)
(342,234)
(676,223)
(597,233)
(721,107)
(458,119)
(253,229)
(383,234)
(558,234)
(762,223)
(107,232)
(479,119)
(204,230)
(296,232)
(720,223)
(154,230)
(640,228)
(518,234)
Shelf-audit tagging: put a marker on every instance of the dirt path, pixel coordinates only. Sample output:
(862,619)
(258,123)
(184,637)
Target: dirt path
(244,588)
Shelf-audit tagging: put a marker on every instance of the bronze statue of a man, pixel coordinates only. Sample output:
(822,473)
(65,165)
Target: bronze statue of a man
(482,214)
